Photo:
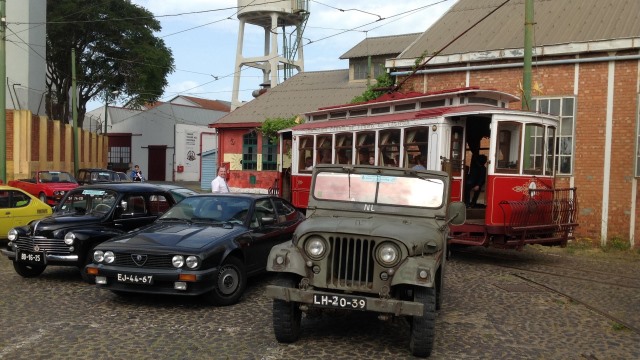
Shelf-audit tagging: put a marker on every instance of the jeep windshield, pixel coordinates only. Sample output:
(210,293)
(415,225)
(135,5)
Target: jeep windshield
(379,189)
(89,201)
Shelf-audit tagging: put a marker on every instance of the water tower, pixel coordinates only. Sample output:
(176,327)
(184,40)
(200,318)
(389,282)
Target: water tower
(275,17)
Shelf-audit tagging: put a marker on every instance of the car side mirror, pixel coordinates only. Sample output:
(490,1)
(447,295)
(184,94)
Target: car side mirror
(268,220)
(123,205)
(457,213)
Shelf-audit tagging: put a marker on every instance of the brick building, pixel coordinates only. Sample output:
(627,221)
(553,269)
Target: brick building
(586,61)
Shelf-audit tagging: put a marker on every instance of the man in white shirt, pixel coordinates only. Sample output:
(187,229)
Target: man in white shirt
(219,185)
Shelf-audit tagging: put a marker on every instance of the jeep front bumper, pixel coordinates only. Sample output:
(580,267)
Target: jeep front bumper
(388,306)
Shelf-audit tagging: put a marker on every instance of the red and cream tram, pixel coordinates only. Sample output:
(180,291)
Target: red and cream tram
(518,203)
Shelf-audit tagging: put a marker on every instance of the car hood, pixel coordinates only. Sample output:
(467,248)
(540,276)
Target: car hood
(175,236)
(59,221)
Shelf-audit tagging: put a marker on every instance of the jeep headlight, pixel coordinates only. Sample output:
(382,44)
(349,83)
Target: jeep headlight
(177,261)
(315,247)
(388,254)
(69,238)
(12,235)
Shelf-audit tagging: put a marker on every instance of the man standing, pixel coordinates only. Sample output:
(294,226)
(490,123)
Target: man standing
(219,185)
(136,175)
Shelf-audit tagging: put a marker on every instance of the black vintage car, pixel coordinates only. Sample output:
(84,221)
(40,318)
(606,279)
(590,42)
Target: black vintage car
(97,176)
(86,216)
(205,245)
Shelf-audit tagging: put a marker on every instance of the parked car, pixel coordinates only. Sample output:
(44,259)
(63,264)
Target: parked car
(17,208)
(123,177)
(178,192)
(205,245)
(48,186)
(87,216)
(96,176)
(375,241)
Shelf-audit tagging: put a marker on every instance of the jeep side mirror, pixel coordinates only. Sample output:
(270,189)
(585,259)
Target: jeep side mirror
(457,213)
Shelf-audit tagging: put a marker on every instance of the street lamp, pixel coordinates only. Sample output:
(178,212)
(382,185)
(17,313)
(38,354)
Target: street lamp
(106,107)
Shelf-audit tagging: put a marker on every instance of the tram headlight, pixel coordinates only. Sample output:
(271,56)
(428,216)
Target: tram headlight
(388,254)
(315,247)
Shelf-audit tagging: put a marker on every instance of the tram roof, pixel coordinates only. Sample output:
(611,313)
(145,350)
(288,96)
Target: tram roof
(396,97)
(448,111)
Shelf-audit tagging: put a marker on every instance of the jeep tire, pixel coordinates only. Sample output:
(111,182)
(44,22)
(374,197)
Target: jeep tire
(423,327)
(287,315)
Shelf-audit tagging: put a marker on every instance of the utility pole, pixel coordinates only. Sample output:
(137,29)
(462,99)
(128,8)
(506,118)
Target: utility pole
(528,54)
(74,109)
(3,93)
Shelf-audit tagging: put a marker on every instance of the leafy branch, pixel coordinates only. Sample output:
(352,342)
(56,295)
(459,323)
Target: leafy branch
(270,127)
(384,80)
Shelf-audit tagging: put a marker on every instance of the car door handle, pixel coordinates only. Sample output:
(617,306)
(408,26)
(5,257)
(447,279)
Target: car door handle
(8,213)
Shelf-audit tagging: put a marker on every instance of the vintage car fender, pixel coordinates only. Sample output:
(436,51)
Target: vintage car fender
(293,260)
(410,270)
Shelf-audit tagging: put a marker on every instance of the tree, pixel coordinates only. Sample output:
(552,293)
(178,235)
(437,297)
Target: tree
(115,51)
(383,81)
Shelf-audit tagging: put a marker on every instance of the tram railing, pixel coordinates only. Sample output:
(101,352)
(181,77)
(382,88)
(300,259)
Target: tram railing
(545,216)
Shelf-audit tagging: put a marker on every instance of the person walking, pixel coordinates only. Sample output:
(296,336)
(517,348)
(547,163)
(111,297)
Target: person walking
(219,184)
(475,180)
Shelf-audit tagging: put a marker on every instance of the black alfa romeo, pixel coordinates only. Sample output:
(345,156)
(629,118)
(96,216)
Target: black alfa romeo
(205,245)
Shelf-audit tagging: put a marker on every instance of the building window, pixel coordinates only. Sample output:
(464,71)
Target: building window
(250,151)
(269,154)
(361,68)
(565,108)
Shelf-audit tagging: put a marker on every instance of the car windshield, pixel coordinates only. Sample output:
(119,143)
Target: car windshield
(214,209)
(56,177)
(96,202)
(379,189)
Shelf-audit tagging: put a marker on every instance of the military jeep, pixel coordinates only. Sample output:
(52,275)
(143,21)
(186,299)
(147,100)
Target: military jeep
(374,240)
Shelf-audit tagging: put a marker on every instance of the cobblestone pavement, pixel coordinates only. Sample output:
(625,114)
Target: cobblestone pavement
(494,308)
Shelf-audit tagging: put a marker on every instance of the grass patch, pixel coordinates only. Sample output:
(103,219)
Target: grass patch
(618,327)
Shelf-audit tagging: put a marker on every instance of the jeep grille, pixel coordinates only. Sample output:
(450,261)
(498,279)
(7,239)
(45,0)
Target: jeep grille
(352,263)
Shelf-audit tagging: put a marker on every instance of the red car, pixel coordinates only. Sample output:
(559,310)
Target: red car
(48,186)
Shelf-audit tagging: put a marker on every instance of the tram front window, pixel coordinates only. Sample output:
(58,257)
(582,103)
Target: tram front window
(305,154)
(323,149)
(389,147)
(365,147)
(343,149)
(534,149)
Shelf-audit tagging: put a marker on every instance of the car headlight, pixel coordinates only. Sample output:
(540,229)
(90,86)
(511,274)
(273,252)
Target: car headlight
(315,247)
(388,254)
(177,261)
(98,256)
(192,262)
(69,238)
(109,257)
(12,235)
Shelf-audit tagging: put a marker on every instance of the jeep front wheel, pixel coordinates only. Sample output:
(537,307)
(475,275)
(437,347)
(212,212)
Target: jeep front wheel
(423,327)
(28,271)
(287,315)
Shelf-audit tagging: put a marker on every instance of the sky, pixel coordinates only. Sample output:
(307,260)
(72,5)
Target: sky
(203,35)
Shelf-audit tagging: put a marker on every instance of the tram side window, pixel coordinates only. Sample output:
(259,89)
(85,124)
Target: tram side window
(365,146)
(533,149)
(508,151)
(323,149)
(344,148)
(389,147)
(551,140)
(305,154)
(416,141)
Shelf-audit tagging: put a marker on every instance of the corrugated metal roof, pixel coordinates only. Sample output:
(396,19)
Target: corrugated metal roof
(556,22)
(384,45)
(305,91)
